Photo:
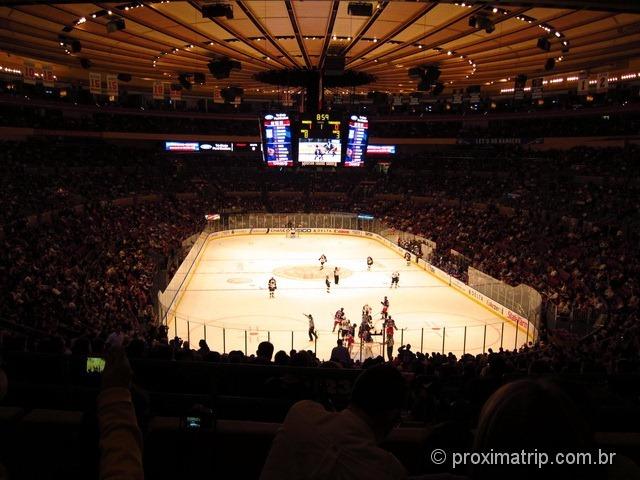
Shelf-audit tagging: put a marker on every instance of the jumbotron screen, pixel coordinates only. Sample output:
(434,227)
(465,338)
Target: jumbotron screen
(321,152)
(276,138)
(319,141)
(356,141)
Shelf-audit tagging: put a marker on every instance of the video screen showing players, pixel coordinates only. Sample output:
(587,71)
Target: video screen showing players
(321,152)
(357,139)
(276,137)
(319,139)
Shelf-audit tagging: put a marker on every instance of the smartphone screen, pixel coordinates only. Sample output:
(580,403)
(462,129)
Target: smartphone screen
(192,422)
(95,364)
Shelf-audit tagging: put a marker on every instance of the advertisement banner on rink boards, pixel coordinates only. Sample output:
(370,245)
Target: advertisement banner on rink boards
(95,83)
(440,274)
(603,83)
(158,90)
(29,74)
(47,76)
(112,85)
(458,284)
(515,318)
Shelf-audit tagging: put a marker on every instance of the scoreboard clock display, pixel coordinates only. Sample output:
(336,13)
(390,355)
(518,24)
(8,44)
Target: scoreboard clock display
(320,140)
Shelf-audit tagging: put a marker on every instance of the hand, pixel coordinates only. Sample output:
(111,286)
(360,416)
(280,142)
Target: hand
(117,371)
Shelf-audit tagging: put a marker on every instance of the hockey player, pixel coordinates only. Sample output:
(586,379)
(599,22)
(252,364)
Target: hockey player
(345,326)
(407,257)
(336,275)
(385,308)
(272,287)
(395,278)
(328,284)
(389,341)
(350,341)
(337,318)
(389,326)
(312,328)
(369,263)
(322,260)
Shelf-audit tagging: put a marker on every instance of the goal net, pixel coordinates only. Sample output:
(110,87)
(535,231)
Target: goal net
(293,233)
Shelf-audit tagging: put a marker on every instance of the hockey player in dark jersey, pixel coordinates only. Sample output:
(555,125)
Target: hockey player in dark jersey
(272,287)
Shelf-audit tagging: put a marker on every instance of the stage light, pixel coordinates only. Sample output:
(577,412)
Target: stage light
(544,44)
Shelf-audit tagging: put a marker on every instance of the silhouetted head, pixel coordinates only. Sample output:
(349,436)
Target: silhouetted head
(265,351)
(531,414)
(378,395)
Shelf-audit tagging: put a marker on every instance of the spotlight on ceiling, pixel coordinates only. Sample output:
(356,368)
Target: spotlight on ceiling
(423,86)
(437,90)
(221,68)
(550,64)
(481,23)
(115,25)
(183,78)
(431,74)
(199,78)
(360,9)
(544,44)
(415,72)
(215,10)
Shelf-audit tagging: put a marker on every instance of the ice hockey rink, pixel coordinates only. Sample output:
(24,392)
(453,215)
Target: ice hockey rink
(226,299)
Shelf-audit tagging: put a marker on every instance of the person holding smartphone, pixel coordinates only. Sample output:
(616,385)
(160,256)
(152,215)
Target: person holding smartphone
(120,438)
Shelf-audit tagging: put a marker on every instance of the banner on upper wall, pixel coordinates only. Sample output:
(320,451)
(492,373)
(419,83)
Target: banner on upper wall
(583,83)
(498,141)
(397,100)
(112,85)
(457,95)
(603,83)
(287,101)
(414,101)
(217,95)
(47,76)
(158,90)
(536,88)
(29,74)
(518,87)
(175,94)
(95,83)
(337,99)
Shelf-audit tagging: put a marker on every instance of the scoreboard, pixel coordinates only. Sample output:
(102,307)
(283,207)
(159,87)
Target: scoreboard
(356,141)
(320,125)
(277,140)
(320,139)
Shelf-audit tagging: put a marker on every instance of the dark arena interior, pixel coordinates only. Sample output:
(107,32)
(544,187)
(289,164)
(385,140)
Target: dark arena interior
(302,239)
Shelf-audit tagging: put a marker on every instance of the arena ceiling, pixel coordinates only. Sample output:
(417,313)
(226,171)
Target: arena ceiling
(162,39)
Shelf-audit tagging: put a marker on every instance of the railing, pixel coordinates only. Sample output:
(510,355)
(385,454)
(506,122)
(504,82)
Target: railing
(171,295)
(456,339)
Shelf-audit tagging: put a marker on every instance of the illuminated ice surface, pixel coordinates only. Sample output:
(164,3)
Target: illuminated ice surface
(227,293)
